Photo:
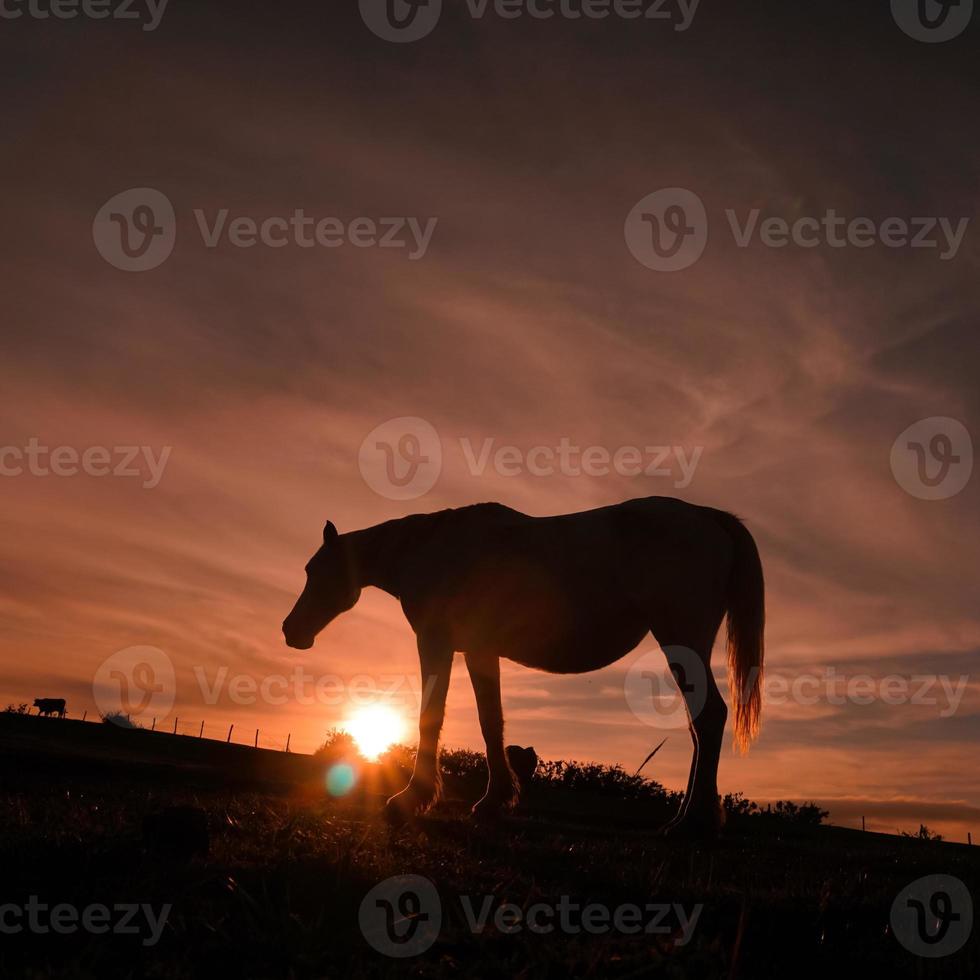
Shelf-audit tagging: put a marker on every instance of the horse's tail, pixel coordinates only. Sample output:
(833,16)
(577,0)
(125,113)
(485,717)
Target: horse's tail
(746,610)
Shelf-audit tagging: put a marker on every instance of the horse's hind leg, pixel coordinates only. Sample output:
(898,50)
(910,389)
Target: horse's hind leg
(688,653)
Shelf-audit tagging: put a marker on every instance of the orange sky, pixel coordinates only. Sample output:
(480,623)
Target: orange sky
(526,321)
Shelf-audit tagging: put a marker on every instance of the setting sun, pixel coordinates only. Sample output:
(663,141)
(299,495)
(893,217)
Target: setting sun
(374,728)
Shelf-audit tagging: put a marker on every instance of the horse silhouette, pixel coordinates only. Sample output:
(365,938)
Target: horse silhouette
(564,594)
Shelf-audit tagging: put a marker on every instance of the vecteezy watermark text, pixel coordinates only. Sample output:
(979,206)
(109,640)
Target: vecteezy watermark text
(89,9)
(136,230)
(832,687)
(307,689)
(303,231)
(663,691)
(568,459)
(837,231)
(121,919)
(572,918)
(402,458)
(402,916)
(667,230)
(121,461)
(403,21)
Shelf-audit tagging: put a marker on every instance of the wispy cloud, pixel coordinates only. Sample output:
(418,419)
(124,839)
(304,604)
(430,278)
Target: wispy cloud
(526,322)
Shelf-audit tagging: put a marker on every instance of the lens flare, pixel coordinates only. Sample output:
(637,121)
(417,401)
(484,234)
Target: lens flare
(340,779)
(374,729)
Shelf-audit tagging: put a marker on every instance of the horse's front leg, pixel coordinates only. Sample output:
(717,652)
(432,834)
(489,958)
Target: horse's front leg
(502,788)
(436,659)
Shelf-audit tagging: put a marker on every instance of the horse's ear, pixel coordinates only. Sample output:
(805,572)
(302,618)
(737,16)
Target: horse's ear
(329,533)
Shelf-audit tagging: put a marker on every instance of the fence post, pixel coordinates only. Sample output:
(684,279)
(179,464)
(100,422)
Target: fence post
(288,737)
(84,715)
(862,823)
(256,738)
(200,734)
(175,725)
(153,727)
(969,838)
(230,727)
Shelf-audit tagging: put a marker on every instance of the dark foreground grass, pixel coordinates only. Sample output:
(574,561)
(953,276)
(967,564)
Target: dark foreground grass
(278,894)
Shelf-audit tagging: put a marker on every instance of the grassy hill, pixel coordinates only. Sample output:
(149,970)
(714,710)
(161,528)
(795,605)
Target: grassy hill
(281,889)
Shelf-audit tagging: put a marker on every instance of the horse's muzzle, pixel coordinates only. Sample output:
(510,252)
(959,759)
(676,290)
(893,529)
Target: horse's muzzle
(296,642)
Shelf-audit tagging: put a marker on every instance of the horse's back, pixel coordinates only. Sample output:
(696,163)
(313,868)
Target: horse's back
(618,540)
(535,588)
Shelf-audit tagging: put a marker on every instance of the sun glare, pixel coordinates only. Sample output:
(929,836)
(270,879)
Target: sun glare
(375,728)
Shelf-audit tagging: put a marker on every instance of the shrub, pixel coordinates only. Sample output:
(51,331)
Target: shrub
(399,759)
(586,777)
(591,777)
(337,745)
(923,833)
(120,719)
(737,808)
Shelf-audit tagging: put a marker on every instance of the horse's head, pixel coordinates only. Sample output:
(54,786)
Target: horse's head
(330,590)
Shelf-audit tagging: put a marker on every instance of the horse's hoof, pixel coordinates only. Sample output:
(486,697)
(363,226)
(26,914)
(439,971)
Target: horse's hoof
(410,802)
(395,814)
(691,829)
(486,813)
(491,808)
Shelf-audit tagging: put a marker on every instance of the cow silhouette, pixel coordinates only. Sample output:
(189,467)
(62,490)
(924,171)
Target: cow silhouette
(50,706)
(566,595)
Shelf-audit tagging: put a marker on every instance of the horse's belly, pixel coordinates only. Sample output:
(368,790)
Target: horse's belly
(556,617)
(568,651)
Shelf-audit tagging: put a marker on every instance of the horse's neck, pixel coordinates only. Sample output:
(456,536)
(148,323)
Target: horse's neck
(377,553)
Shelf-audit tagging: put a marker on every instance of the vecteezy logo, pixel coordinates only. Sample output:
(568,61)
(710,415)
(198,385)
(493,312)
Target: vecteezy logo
(135,231)
(932,21)
(667,230)
(662,692)
(401,459)
(401,916)
(933,458)
(138,681)
(933,916)
(401,20)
